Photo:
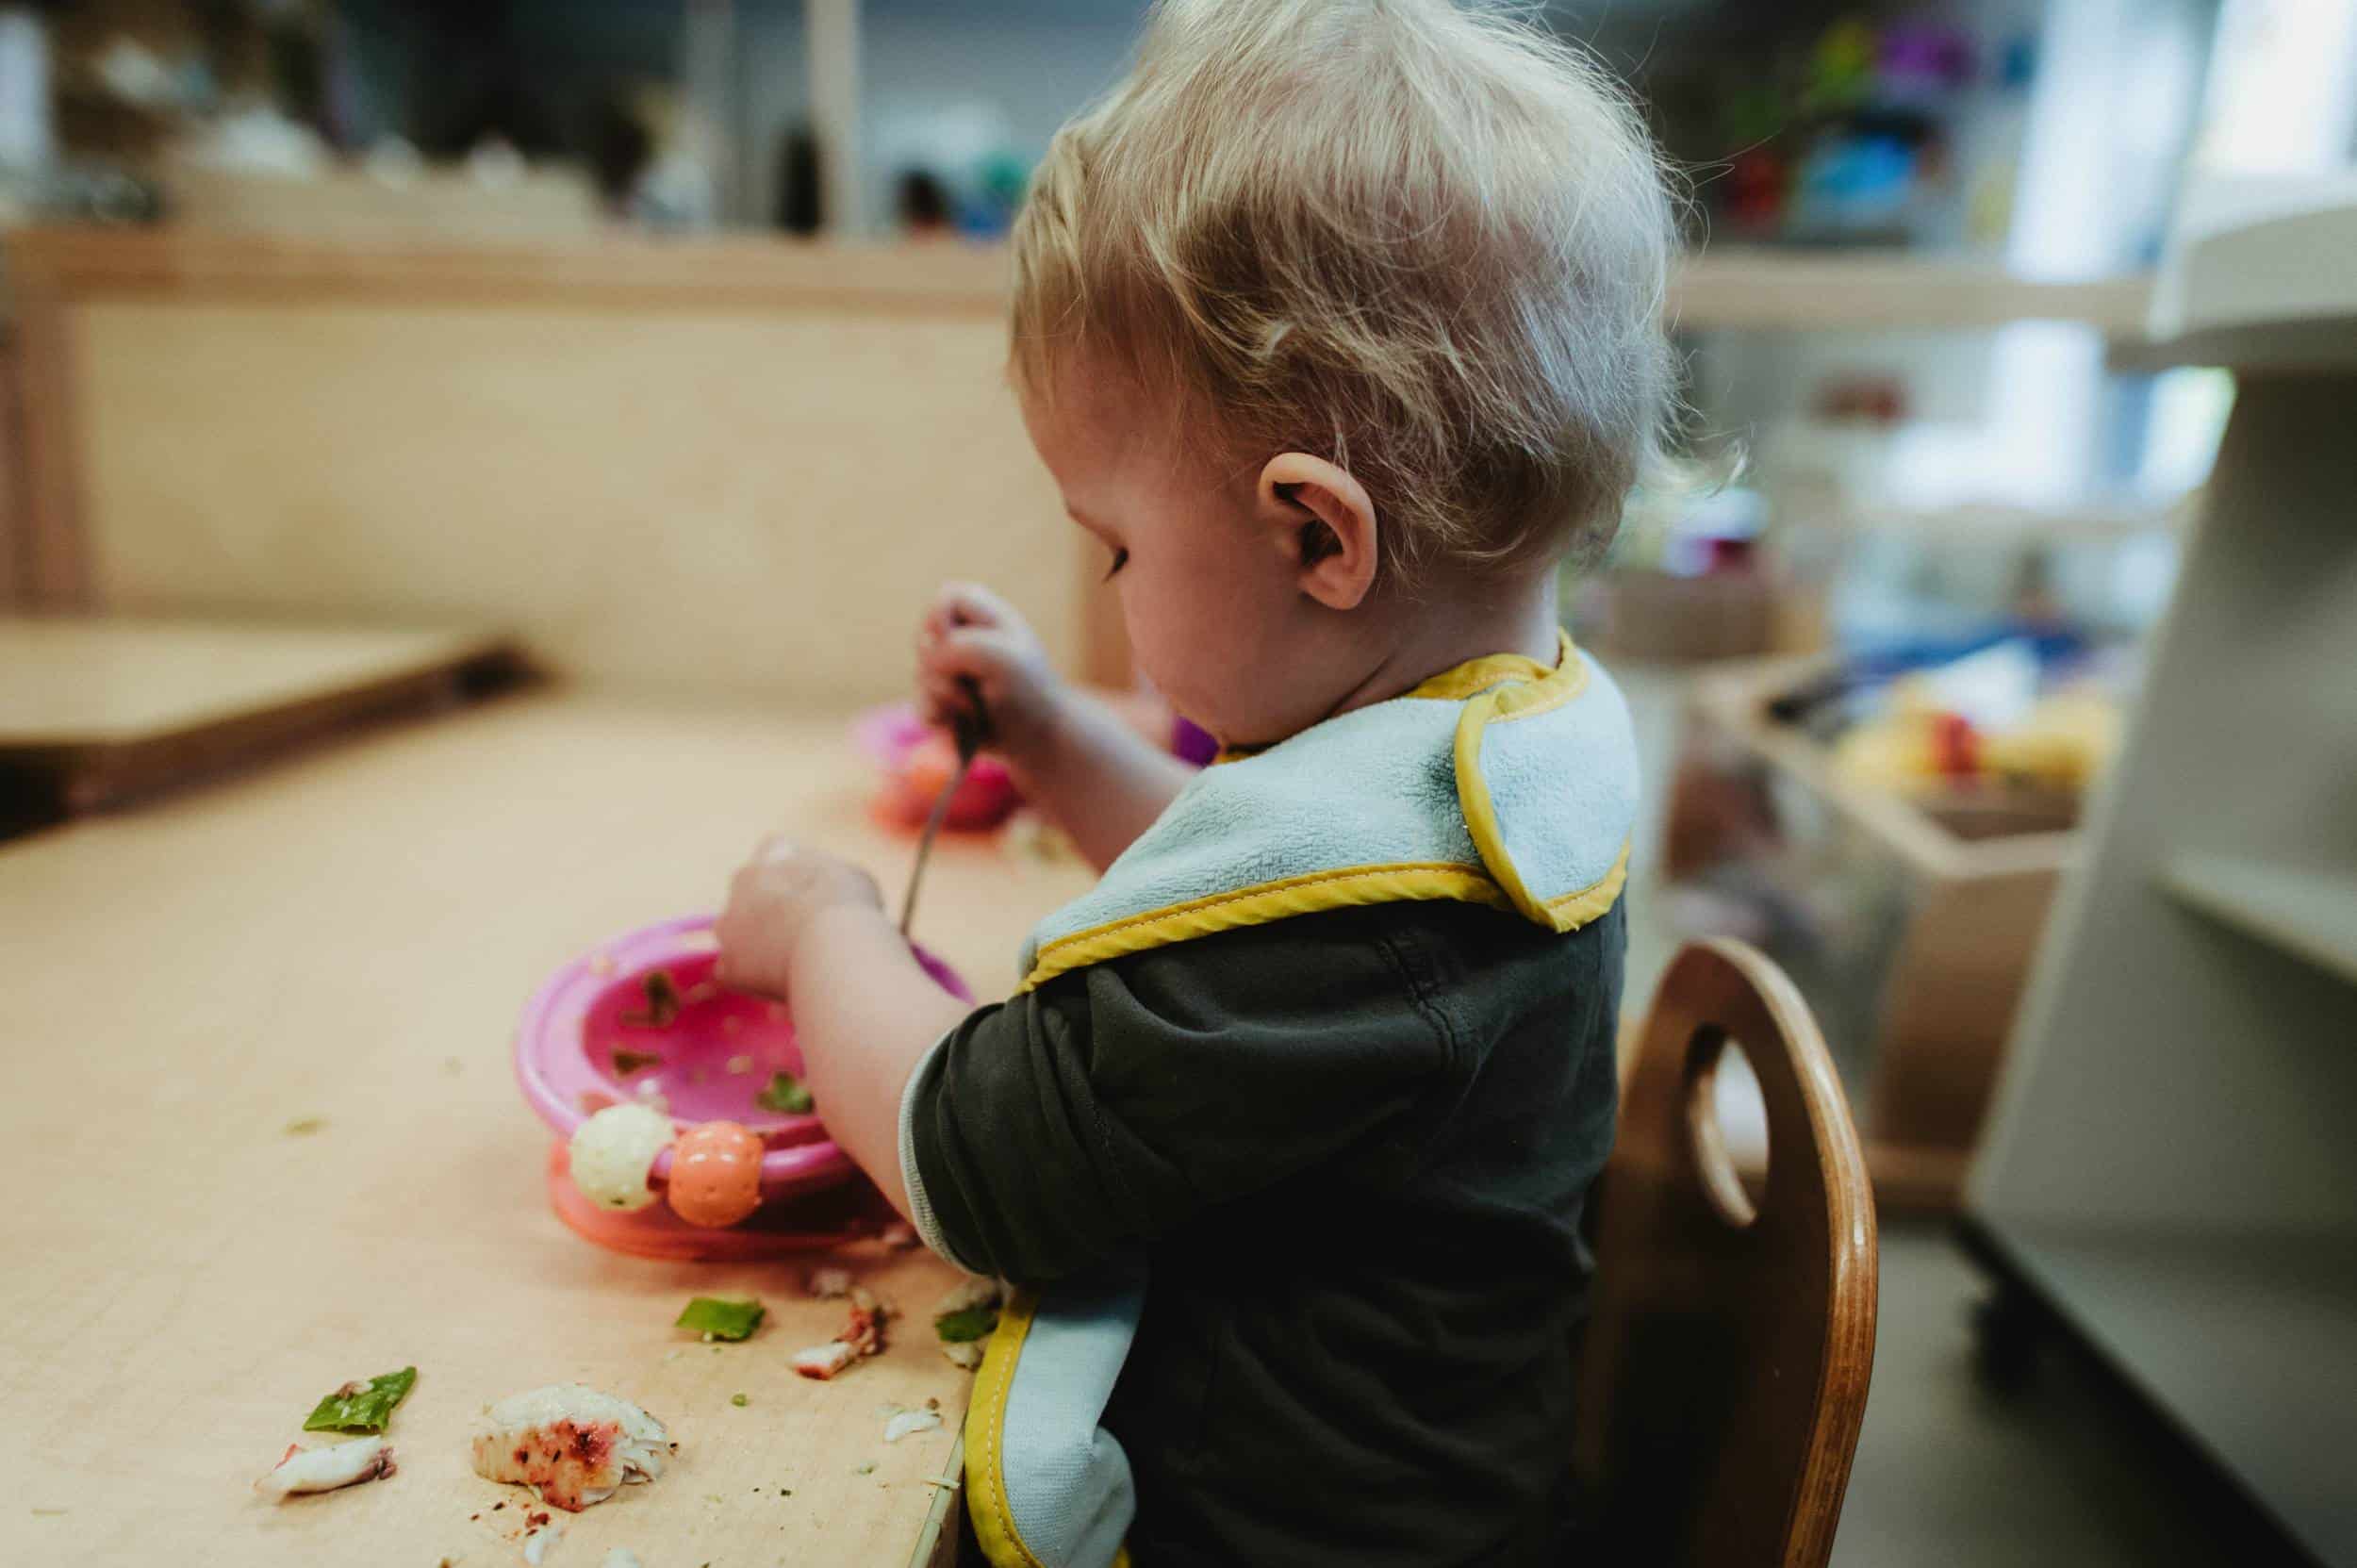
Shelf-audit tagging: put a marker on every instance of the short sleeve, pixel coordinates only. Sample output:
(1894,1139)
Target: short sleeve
(1121,1100)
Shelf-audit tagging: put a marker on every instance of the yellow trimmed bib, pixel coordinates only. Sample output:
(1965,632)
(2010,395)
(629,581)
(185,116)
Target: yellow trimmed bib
(1501,782)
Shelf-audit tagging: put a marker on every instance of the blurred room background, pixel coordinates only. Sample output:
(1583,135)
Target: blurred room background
(656,343)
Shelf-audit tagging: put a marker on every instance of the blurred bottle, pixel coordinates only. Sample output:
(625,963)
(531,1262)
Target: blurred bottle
(921,204)
(801,203)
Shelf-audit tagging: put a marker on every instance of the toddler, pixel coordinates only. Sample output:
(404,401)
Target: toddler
(1338,325)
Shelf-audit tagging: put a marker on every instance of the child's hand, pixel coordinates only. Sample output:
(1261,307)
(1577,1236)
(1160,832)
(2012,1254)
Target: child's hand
(772,900)
(971,633)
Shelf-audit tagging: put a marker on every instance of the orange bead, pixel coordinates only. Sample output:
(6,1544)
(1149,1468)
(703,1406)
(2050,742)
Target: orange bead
(715,1174)
(930,765)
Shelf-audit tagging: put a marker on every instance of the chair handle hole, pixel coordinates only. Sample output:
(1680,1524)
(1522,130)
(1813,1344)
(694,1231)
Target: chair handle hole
(1721,1089)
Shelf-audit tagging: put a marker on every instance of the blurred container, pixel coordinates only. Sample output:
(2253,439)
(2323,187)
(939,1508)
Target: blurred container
(1908,921)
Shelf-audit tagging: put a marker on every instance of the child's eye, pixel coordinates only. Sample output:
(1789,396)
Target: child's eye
(1121,558)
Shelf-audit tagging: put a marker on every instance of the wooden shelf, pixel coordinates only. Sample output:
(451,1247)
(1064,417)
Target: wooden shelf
(2307,914)
(1727,287)
(2249,1344)
(1737,287)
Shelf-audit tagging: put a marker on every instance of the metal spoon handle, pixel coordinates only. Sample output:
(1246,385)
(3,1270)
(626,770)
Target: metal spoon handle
(968,729)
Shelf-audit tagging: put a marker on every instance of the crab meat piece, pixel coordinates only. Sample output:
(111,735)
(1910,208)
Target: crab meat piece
(823,1362)
(864,1331)
(572,1444)
(325,1469)
(827,1284)
(861,1335)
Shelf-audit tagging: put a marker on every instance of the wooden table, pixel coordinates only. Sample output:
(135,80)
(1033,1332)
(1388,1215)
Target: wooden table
(101,709)
(350,935)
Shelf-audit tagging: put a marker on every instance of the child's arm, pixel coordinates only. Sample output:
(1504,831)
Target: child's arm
(812,928)
(1090,772)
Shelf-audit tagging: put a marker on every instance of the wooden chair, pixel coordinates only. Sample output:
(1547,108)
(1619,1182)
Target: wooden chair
(1729,1344)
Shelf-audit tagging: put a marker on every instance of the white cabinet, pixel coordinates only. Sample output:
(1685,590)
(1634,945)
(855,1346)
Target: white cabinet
(2172,1165)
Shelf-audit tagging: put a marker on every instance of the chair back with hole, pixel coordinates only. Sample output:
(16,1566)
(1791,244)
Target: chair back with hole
(1729,1342)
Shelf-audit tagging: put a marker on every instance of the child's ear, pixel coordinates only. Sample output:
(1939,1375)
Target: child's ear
(1322,521)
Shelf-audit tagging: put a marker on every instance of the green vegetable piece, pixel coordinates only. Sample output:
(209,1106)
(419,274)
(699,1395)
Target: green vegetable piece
(785,1092)
(718,1318)
(663,1001)
(966,1324)
(737,1399)
(362,1407)
(629,1062)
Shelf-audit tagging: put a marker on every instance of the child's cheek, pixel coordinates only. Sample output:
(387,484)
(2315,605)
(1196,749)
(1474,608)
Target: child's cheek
(1169,651)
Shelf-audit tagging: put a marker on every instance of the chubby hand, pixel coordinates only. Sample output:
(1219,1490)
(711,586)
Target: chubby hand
(772,901)
(970,634)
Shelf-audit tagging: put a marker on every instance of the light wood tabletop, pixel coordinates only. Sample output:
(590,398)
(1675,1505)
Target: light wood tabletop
(112,681)
(350,935)
(113,705)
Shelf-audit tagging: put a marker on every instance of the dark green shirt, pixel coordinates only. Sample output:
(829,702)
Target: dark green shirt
(1353,1146)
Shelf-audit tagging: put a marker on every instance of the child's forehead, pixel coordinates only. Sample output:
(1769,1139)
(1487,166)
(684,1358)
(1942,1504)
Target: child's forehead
(1091,417)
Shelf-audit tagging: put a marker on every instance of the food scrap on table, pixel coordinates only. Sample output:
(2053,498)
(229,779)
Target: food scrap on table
(572,1444)
(359,1407)
(663,1003)
(337,1464)
(738,1400)
(537,1541)
(612,1153)
(785,1092)
(823,1362)
(718,1317)
(829,1284)
(862,1336)
(1030,836)
(303,1127)
(910,1421)
(621,1556)
(965,1317)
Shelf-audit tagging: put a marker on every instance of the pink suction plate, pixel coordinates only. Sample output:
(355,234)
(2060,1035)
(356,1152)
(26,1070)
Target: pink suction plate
(578,1051)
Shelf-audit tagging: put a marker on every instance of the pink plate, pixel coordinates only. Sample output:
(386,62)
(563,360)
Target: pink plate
(578,1051)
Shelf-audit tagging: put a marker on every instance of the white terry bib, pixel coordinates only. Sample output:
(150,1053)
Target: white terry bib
(1520,793)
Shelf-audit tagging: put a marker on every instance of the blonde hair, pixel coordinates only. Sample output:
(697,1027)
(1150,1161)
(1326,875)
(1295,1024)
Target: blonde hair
(1430,244)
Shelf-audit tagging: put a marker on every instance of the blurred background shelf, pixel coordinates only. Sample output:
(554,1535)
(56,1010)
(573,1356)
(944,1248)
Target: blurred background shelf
(2247,1343)
(1757,288)
(2308,913)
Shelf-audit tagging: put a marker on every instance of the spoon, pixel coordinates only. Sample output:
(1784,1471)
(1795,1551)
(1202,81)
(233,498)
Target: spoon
(969,730)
